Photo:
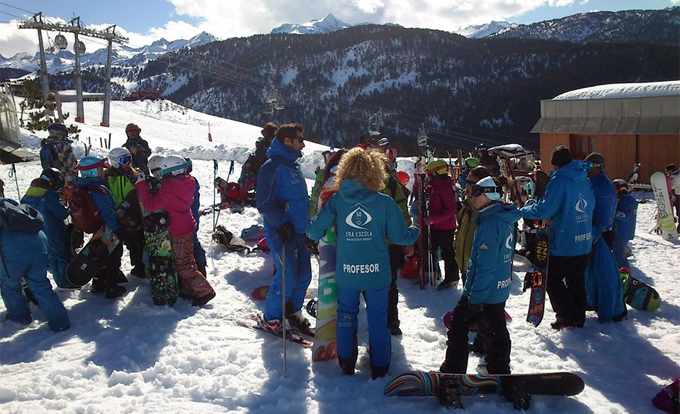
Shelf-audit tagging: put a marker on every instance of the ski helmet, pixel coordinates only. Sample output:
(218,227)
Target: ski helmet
(53,178)
(132,129)
(58,130)
(471,162)
(190,165)
(155,165)
(173,165)
(621,186)
(90,164)
(437,167)
(119,156)
(488,187)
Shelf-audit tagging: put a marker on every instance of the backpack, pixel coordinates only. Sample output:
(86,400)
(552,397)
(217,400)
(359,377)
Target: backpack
(19,217)
(84,211)
(228,240)
(248,178)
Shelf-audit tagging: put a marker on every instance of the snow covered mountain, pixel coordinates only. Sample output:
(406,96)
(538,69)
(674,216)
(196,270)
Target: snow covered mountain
(649,26)
(122,55)
(479,31)
(326,25)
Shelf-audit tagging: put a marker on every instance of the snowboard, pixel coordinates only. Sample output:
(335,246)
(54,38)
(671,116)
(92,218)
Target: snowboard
(536,280)
(325,339)
(161,269)
(663,204)
(83,267)
(637,294)
(260,292)
(254,322)
(424,384)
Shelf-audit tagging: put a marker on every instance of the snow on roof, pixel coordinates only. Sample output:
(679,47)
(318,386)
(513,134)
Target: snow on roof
(623,90)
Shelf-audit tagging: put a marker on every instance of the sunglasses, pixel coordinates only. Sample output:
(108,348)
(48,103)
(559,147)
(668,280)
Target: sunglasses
(588,165)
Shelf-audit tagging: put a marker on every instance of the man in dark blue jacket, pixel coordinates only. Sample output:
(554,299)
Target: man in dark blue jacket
(283,200)
(487,284)
(604,291)
(568,203)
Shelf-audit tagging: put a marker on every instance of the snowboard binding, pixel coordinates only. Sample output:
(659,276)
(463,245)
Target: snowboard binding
(517,394)
(311,307)
(448,394)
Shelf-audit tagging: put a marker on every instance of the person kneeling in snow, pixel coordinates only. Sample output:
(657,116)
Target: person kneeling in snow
(487,285)
(175,196)
(364,218)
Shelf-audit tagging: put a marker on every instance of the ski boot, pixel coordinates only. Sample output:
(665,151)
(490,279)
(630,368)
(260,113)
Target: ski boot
(448,394)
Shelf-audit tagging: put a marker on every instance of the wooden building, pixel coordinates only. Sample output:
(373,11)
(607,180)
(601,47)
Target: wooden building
(626,123)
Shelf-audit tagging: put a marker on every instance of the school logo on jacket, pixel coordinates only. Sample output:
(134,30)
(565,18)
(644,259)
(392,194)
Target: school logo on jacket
(580,207)
(357,219)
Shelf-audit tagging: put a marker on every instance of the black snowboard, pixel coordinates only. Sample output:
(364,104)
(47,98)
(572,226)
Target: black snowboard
(523,386)
(92,257)
(162,275)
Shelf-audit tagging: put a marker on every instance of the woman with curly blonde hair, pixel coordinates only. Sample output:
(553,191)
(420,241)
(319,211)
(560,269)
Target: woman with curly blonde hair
(364,218)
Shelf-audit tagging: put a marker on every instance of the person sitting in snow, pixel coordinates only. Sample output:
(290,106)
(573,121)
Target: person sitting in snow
(364,218)
(176,196)
(43,195)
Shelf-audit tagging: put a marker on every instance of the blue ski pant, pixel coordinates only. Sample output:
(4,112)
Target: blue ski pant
(298,275)
(33,268)
(380,344)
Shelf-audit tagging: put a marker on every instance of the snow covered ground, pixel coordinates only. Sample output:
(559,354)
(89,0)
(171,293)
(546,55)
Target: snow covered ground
(129,356)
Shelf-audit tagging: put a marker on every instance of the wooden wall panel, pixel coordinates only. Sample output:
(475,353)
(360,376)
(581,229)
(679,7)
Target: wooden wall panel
(618,152)
(657,151)
(547,143)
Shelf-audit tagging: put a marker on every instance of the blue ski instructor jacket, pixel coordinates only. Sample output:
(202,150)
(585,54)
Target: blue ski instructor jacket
(282,190)
(489,268)
(569,203)
(363,219)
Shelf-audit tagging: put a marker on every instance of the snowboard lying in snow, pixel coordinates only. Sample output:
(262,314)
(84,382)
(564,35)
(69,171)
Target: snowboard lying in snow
(517,387)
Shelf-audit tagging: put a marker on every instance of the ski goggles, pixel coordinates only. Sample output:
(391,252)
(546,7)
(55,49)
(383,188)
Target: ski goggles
(589,165)
(479,190)
(125,159)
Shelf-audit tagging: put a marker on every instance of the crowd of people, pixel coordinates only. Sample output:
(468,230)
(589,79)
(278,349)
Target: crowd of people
(357,196)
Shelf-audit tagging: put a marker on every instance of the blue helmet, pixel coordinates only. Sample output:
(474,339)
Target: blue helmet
(90,164)
(173,165)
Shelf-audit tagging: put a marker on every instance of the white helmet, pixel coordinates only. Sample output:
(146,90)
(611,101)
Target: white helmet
(173,165)
(118,156)
(155,165)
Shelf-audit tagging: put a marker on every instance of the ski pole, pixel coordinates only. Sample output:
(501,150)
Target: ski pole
(16,180)
(283,306)
(231,170)
(214,178)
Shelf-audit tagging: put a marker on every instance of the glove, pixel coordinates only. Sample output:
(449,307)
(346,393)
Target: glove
(474,308)
(139,176)
(313,246)
(286,232)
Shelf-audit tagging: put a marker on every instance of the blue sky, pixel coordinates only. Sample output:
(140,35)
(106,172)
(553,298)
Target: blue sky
(144,21)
